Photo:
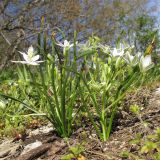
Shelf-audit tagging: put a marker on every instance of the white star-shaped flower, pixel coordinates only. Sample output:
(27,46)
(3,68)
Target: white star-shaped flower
(66,44)
(130,59)
(146,62)
(117,52)
(30,57)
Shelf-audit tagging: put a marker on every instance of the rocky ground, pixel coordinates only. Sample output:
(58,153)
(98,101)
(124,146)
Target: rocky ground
(42,143)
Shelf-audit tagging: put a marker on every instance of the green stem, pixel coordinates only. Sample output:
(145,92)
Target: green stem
(55,92)
(104,127)
(104,117)
(119,96)
(89,115)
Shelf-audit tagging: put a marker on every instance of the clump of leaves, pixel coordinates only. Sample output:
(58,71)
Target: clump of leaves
(75,153)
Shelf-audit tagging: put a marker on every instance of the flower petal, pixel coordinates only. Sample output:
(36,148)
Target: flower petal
(66,43)
(128,57)
(39,61)
(23,62)
(30,52)
(60,44)
(26,58)
(114,52)
(29,63)
(33,63)
(146,61)
(117,52)
(35,58)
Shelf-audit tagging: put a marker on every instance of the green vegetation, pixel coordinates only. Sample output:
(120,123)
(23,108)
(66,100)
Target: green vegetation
(96,75)
(75,153)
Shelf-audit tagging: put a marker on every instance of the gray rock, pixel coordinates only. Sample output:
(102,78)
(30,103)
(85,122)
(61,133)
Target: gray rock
(41,130)
(31,146)
(5,153)
(8,148)
(157,91)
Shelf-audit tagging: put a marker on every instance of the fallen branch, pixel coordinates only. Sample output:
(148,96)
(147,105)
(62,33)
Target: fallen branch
(35,153)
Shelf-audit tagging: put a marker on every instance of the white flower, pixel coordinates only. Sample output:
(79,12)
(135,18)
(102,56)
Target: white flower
(146,62)
(117,52)
(66,44)
(121,49)
(30,58)
(130,59)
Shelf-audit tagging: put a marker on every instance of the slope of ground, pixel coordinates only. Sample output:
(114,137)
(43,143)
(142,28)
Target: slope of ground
(127,126)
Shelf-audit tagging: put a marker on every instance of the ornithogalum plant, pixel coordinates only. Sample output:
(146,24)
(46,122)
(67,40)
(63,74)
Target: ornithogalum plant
(55,85)
(113,73)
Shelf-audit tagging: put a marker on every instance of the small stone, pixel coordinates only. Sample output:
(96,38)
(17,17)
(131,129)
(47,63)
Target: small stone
(41,130)
(8,148)
(31,146)
(5,153)
(157,91)
(34,132)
